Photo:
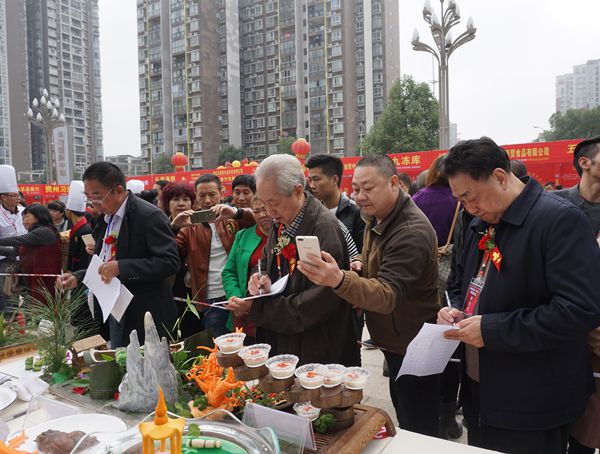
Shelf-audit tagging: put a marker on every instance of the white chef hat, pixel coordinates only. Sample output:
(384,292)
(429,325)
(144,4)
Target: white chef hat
(77,199)
(8,179)
(135,186)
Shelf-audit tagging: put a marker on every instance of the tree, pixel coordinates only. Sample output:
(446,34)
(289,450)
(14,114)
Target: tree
(285,145)
(162,164)
(409,122)
(230,153)
(574,124)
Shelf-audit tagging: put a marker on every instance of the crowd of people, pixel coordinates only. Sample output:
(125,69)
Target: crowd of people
(517,262)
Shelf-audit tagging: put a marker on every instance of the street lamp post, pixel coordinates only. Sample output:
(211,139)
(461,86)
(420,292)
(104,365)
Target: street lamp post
(45,114)
(444,47)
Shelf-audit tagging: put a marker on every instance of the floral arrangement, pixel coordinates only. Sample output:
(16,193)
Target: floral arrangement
(111,240)
(286,248)
(487,243)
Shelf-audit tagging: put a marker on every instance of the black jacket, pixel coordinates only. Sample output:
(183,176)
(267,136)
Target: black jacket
(78,258)
(536,312)
(147,256)
(349,213)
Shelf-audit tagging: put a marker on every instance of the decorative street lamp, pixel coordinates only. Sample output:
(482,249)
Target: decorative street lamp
(445,45)
(45,114)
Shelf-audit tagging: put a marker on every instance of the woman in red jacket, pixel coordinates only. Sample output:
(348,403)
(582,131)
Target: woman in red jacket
(38,250)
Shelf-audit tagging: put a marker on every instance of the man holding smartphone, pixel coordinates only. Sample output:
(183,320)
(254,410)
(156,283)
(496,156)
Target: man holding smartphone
(306,319)
(395,281)
(204,247)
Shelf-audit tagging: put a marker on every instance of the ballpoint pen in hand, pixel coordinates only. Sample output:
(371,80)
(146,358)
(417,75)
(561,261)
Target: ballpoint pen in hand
(259,276)
(449,305)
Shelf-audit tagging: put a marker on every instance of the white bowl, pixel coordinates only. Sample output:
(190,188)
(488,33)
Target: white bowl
(230,343)
(255,355)
(282,366)
(309,376)
(306,410)
(356,377)
(333,374)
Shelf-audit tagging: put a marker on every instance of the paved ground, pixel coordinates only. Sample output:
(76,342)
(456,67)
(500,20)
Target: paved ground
(377,389)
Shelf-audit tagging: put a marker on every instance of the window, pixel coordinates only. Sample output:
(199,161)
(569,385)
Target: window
(336,19)
(337,81)
(336,51)
(338,128)
(272,107)
(338,97)
(336,35)
(336,66)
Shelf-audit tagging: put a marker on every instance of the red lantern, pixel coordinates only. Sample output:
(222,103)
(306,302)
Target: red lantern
(179,161)
(301,148)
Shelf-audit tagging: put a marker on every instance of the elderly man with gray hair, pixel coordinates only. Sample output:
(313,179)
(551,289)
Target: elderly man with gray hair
(307,320)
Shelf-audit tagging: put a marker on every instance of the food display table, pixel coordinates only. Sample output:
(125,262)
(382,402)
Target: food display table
(403,441)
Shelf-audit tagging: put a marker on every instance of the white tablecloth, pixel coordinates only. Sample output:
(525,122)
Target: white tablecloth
(404,442)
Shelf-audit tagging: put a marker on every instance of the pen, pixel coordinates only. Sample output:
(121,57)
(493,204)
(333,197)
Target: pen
(259,276)
(449,305)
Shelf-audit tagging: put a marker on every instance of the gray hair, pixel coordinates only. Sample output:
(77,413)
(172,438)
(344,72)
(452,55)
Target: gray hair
(285,169)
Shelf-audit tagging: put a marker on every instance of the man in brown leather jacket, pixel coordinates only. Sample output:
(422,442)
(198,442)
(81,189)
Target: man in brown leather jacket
(398,287)
(204,247)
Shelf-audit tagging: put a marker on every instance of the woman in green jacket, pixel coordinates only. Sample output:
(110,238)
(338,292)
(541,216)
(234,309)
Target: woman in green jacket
(243,260)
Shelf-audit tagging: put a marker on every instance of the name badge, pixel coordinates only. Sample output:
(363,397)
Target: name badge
(473,292)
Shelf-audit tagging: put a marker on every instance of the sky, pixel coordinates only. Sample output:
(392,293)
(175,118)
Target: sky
(501,84)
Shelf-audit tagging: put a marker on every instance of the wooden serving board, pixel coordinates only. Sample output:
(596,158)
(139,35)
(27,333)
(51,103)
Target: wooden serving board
(367,422)
(10,351)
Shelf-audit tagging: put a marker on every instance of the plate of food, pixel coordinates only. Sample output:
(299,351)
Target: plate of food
(7,397)
(59,436)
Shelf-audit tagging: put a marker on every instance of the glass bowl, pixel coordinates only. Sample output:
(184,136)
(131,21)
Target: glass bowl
(310,376)
(230,343)
(255,355)
(282,366)
(306,410)
(356,377)
(333,374)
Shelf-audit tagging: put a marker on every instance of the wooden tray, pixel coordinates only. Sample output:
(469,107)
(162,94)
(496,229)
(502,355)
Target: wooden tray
(367,422)
(10,351)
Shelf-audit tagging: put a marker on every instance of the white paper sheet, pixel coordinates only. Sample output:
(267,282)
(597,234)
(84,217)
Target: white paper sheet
(429,352)
(106,294)
(122,303)
(276,288)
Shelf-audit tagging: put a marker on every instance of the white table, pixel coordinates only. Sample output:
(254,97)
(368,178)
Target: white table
(406,442)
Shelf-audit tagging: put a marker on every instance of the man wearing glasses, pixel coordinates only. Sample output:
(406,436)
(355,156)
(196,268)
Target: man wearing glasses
(135,242)
(11,222)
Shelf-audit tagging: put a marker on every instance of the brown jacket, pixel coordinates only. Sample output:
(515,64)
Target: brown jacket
(309,320)
(193,244)
(398,289)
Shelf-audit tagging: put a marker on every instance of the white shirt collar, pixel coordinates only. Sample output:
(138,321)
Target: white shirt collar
(120,214)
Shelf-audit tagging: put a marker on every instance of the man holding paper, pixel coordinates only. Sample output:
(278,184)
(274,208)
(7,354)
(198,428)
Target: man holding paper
(136,245)
(398,286)
(307,320)
(525,296)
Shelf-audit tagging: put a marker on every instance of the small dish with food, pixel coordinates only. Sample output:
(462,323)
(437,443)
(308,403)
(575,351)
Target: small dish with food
(282,366)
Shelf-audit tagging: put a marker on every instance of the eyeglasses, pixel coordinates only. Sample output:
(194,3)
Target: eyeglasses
(99,201)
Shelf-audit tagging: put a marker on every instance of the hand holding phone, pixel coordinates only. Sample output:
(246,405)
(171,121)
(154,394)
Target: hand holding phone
(202,216)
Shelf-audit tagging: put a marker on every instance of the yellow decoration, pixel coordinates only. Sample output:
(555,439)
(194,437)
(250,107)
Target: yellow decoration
(162,429)
(236,164)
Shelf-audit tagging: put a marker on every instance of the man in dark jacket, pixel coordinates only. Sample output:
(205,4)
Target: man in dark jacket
(525,296)
(307,320)
(136,244)
(324,178)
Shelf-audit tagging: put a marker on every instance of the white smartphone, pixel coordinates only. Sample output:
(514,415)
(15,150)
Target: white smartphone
(88,239)
(307,245)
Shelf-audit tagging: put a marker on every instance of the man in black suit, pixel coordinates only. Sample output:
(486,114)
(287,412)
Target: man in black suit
(524,297)
(135,242)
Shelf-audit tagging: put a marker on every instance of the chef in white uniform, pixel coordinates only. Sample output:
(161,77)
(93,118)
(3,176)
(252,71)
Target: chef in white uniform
(11,221)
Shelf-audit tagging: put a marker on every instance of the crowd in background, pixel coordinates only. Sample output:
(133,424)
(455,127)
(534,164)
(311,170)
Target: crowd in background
(517,263)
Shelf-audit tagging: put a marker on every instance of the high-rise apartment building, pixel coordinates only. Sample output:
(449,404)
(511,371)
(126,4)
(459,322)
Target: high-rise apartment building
(60,39)
(579,89)
(5,154)
(251,72)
